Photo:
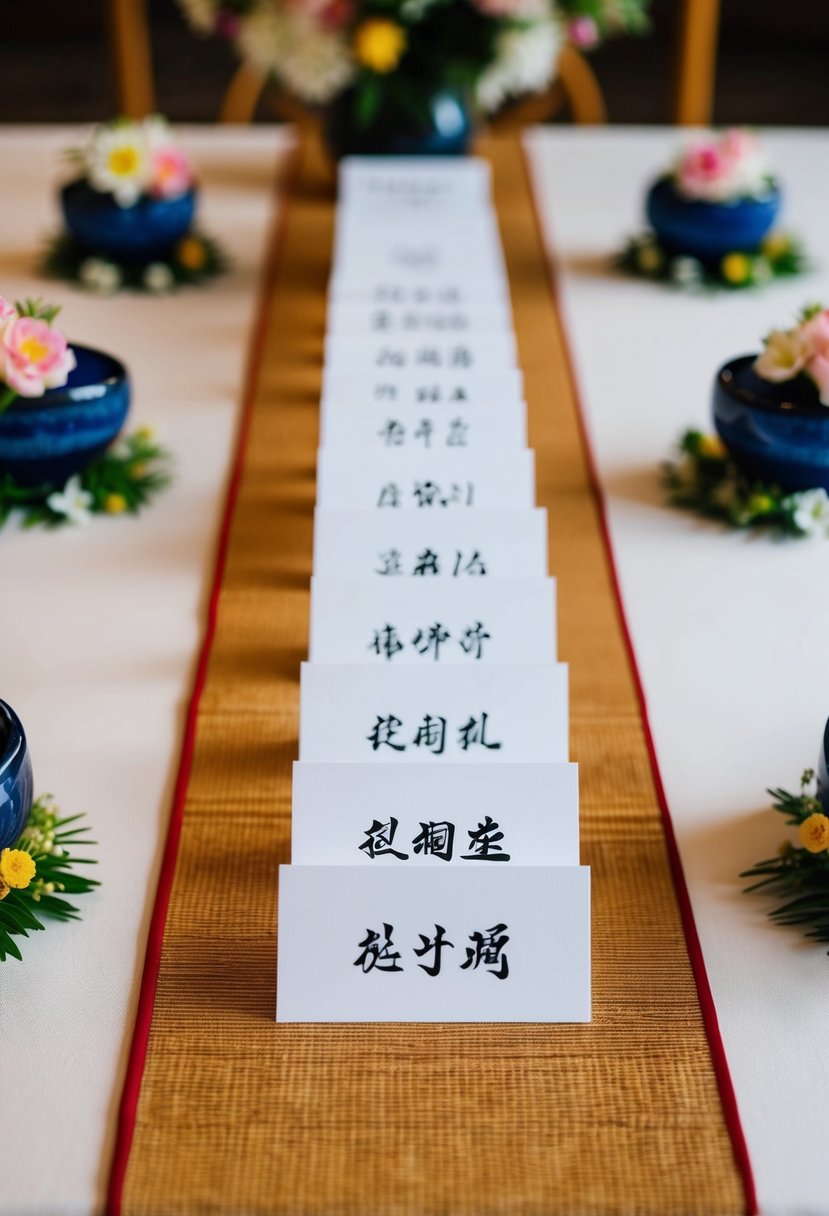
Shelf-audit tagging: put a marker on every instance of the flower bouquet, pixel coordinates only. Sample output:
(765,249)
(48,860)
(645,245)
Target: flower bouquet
(770,464)
(129,214)
(409,76)
(712,217)
(62,407)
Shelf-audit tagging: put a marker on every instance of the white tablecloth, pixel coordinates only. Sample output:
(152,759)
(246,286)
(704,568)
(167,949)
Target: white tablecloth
(730,630)
(100,631)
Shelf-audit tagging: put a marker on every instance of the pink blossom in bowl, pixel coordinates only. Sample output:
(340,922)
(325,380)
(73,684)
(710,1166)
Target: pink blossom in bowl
(583,32)
(35,357)
(171,172)
(720,169)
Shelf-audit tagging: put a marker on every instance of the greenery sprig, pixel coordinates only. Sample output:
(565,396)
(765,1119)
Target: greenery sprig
(194,259)
(121,481)
(779,257)
(799,872)
(39,871)
(702,479)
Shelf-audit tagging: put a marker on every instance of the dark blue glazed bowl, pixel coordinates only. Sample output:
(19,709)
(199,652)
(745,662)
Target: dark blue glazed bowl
(823,772)
(45,440)
(15,777)
(147,230)
(709,231)
(775,433)
(445,130)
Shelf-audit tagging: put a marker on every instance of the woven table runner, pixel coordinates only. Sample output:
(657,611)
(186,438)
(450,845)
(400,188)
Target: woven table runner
(239,1115)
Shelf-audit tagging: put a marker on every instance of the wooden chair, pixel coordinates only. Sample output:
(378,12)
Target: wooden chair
(576,85)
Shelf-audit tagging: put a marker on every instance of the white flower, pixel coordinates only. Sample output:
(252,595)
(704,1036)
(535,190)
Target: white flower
(201,14)
(118,162)
(525,62)
(73,501)
(313,61)
(686,271)
(811,511)
(158,278)
(100,276)
(785,355)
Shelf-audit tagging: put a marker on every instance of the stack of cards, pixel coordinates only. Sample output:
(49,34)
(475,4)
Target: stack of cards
(435,862)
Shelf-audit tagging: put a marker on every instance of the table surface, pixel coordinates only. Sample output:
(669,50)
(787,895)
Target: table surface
(727,637)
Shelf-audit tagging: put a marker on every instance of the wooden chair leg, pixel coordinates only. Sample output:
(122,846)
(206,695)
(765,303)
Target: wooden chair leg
(697,62)
(582,88)
(131,56)
(242,96)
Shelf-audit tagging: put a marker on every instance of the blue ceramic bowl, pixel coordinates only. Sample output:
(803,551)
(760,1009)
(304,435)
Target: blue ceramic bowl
(776,433)
(45,440)
(823,771)
(147,230)
(709,231)
(15,777)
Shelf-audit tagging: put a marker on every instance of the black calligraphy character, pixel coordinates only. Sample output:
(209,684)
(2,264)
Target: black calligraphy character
(456,495)
(392,433)
(377,957)
(389,495)
(438,943)
(424,432)
(390,562)
(483,843)
(385,392)
(458,430)
(435,840)
(381,319)
(386,642)
(388,356)
(488,951)
(431,734)
(473,640)
(461,356)
(426,493)
(427,393)
(430,641)
(475,732)
(459,394)
(426,563)
(475,565)
(428,356)
(384,731)
(379,837)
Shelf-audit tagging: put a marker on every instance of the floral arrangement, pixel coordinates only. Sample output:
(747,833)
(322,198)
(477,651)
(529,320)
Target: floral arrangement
(780,256)
(191,261)
(402,51)
(34,355)
(723,168)
(129,159)
(802,351)
(38,872)
(800,871)
(703,479)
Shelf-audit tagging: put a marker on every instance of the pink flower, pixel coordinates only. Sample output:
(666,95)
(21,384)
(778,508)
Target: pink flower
(816,334)
(719,170)
(171,172)
(227,24)
(583,32)
(35,357)
(7,310)
(702,170)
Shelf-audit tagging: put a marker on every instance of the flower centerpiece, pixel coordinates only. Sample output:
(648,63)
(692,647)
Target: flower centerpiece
(408,76)
(62,407)
(129,213)
(712,216)
(769,462)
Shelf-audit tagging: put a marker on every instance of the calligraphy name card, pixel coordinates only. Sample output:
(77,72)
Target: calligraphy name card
(425,428)
(359,321)
(456,621)
(461,386)
(457,814)
(446,945)
(482,715)
(495,352)
(415,544)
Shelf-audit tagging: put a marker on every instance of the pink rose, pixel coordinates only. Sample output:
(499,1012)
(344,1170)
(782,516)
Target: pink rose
(35,357)
(171,172)
(702,170)
(583,32)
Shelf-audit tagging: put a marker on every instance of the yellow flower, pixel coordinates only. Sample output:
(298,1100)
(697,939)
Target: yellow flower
(814,833)
(650,259)
(736,268)
(17,869)
(711,447)
(191,253)
(378,44)
(115,504)
(4,889)
(776,245)
(760,504)
(146,434)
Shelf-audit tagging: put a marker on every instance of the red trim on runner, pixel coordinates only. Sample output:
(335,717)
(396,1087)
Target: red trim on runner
(152,961)
(728,1098)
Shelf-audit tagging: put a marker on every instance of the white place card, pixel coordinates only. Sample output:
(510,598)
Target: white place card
(451,479)
(459,945)
(345,390)
(395,182)
(416,544)
(361,321)
(457,815)
(392,622)
(489,714)
(409,292)
(367,428)
(413,353)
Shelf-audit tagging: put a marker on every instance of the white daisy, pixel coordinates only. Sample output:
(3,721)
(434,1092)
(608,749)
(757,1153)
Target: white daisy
(118,162)
(73,502)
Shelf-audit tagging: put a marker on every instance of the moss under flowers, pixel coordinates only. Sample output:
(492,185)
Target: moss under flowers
(193,260)
(701,478)
(800,872)
(38,872)
(121,481)
(779,257)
